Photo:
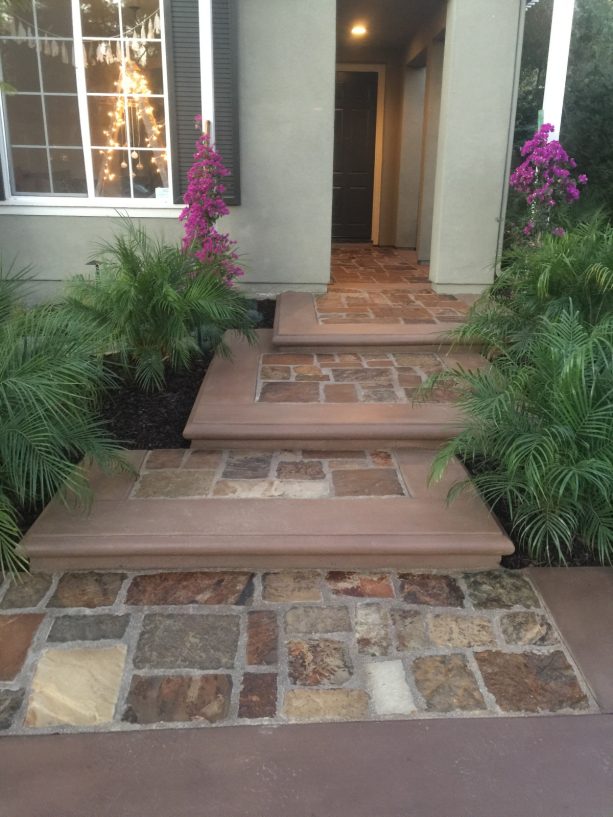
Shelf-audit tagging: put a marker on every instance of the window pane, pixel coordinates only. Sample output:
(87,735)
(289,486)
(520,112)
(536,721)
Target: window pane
(68,170)
(25,119)
(100,18)
(102,66)
(107,121)
(146,122)
(144,63)
(63,125)
(142,19)
(21,13)
(19,65)
(150,172)
(54,18)
(112,173)
(57,63)
(30,170)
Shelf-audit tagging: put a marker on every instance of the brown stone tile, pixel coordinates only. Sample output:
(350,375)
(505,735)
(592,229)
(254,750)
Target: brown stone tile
(379,363)
(16,634)
(194,641)
(367,482)
(240,465)
(527,628)
(322,454)
(531,682)
(326,360)
(310,373)
(191,588)
(174,484)
(379,396)
(500,588)
(27,590)
(325,704)
(88,628)
(372,630)
(272,488)
(382,459)
(447,683)
(315,620)
(290,393)
(262,638)
(408,377)
(178,698)
(311,469)
(349,359)
(275,372)
(318,662)
(453,630)
(434,589)
(279,359)
(410,629)
(426,362)
(258,696)
(291,585)
(164,458)
(365,585)
(371,377)
(87,589)
(202,458)
(10,704)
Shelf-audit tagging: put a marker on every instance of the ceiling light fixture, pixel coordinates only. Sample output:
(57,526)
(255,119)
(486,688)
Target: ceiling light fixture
(359,30)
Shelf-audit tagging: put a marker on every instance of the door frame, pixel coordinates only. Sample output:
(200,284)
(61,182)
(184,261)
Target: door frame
(379,69)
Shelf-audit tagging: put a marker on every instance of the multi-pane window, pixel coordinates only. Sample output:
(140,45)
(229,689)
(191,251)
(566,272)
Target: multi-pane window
(86,114)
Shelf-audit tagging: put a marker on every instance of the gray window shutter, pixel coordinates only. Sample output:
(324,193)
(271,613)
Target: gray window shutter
(185,96)
(225,76)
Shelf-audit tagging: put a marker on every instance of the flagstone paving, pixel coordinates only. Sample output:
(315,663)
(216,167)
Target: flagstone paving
(107,651)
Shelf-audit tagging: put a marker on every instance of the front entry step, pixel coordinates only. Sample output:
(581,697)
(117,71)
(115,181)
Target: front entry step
(260,397)
(300,322)
(270,509)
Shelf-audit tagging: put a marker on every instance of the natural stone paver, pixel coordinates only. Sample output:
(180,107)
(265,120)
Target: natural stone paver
(449,630)
(165,458)
(258,697)
(367,482)
(174,484)
(318,662)
(531,682)
(447,683)
(262,638)
(88,628)
(527,628)
(247,466)
(270,488)
(191,588)
(314,620)
(208,460)
(497,588)
(10,704)
(372,629)
(87,589)
(236,646)
(300,470)
(371,585)
(389,691)
(178,698)
(26,591)
(16,634)
(325,704)
(431,588)
(290,393)
(76,686)
(298,585)
(199,641)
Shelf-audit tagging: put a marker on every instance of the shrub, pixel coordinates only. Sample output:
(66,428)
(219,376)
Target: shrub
(539,436)
(50,380)
(157,305)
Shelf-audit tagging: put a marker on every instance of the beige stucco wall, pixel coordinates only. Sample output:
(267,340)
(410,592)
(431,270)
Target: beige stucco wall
(410,157)
(283,225)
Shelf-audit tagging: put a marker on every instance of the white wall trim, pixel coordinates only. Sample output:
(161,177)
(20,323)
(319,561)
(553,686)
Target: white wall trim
(12,209)
(374,68)
(205,22)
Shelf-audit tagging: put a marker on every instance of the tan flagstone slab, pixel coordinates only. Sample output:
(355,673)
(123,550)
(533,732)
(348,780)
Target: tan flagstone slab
(77,687)
(325,704)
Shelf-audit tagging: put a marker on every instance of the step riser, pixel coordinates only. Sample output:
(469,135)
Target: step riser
(318,444)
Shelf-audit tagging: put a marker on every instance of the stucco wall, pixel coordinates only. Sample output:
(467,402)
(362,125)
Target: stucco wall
(283,225)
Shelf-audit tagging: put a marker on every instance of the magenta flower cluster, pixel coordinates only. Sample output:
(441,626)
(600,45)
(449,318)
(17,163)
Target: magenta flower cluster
(204,205)
(546,177)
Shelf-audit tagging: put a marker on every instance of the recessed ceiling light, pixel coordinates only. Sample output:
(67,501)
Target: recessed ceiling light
(359,30)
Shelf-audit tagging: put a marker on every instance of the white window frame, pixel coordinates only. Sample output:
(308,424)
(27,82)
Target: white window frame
(41,204)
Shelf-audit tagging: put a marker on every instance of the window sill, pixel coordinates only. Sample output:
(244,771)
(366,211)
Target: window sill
(29,207)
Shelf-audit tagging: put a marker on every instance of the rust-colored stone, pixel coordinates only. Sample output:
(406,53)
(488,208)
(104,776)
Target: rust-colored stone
(310,373)
(367,482)
(178,698)
(310,469)
(258,697)
(262,638)
(447,683)
(16,634)
(318,662)
(290,393)
(164,458)
(275,372)
(371,585)
(191,588)
(340,393)
(431,588)
(87,589)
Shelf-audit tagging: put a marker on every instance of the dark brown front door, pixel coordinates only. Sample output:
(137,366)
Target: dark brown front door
(354,155)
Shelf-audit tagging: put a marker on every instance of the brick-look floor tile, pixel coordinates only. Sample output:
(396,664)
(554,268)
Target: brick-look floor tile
(219,587)
(26,591)
(87,590)
(367,585)
(431,588)
(262,638)
(258,696)
(16,634)
(178,698)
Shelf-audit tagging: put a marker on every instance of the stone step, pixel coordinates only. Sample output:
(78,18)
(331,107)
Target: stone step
(297,325)
(261,397)
(188,509)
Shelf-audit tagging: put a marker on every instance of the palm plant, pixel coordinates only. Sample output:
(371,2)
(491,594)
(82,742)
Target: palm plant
(50,380)
(157,305)
(540,428)
(544,279)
